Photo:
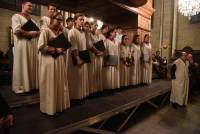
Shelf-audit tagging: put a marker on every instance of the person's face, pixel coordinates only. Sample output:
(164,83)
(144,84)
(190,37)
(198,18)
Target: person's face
(86,27)
(157,53)
(153,56)
(119,31)
(147,39)
(189,57)
(80,21)
(137,40)
(70,24)
(57,21)
(113,34)
(94,27)
(51,10)
(105,30)
(126,40)
(184,56)
(27,7)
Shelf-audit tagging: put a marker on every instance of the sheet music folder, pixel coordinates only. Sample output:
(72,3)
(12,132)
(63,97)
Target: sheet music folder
(30,26)
(100,45)
(84,55)
(111,60)
(60,42)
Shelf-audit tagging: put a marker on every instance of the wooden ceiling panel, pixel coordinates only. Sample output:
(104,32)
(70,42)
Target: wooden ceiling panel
(105,10)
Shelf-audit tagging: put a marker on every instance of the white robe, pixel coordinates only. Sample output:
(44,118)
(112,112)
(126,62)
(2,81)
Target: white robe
(95,67)
(53,83)
(136,69)
(147,64)
(25,62)
(180,85)
(111,78)
(44,22)
(78,75)
(125,52)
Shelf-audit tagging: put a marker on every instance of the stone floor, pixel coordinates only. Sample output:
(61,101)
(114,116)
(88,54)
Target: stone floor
(168,120)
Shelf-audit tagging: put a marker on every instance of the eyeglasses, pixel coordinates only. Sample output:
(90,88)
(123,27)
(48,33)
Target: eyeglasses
(58,19)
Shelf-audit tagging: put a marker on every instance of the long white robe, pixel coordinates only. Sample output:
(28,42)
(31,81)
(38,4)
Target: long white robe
(78,75)
(136,69)
(180,85)
(95,67)
(111,78)
(125,52)
(53,83)
(25,62)
(147,64)
(44,22)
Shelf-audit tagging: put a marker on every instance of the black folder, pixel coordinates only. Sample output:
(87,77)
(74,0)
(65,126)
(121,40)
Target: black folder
(60,42)
(173,72)
(111,60)
(129,60)
(100,45)
(30,26)
(84,55)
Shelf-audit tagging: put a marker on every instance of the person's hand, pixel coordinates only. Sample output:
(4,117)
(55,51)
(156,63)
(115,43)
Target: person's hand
(79,61)
(1,121)
(51,50)
(34,33)
(9,120)
(99,53)
(60,50)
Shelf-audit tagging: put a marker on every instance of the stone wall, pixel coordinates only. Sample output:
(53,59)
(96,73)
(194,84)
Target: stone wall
(162,30)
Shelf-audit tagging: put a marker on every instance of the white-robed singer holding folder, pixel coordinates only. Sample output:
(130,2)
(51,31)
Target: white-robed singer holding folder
(78,68)
(111,78)
(25,65)
(53,83)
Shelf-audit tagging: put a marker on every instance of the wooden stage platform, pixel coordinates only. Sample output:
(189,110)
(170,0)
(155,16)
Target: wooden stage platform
(29,119)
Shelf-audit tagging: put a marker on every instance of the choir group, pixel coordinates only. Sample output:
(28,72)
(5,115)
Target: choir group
(73,62)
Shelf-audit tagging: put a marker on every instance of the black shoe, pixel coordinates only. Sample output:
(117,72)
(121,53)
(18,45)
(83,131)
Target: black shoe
(174,105)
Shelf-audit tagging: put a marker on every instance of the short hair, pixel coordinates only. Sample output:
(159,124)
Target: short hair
(93,22)
(50,5)
(77,15)
(109,32)
(25,1)
(123,36)
(55,15)
(104,26)
(146,35)
(69,19)
(135,37)
(118,27)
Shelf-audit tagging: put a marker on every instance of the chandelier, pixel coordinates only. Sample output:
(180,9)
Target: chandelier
(189,7)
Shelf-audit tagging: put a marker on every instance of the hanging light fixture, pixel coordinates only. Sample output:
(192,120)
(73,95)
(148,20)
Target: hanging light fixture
(189,7)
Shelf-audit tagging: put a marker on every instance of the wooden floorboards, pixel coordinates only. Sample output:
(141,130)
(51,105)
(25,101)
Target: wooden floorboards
(170,121)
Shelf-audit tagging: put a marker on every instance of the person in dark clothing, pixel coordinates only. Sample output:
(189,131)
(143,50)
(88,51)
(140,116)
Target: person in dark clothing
(193,75)
(6,117)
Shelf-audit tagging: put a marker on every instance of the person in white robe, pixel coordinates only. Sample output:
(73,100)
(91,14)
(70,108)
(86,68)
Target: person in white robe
(111,76)
(96,65)
(136,69)
(45,20)
(180,81)
(147,60)
(102,32)
(78,74)
(53,82)
(25,64)
(126,61)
